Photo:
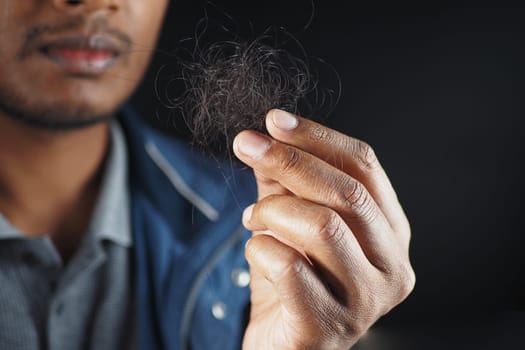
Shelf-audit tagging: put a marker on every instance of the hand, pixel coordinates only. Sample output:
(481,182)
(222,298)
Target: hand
(329,254)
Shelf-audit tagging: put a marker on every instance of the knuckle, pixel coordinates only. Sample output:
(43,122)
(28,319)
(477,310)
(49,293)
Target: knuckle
(356,199)
(369,302)
(366,305)
(403,280)
(372,305)
(339,330)
(341,335)
(407,282)
(357,323)
(320,134)
(330,227)
(405,228)
(353,195)
(348,328)
(290,160)
(291,268)
(366,156)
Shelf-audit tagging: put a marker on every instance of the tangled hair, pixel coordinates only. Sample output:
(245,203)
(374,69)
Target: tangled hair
(229,86)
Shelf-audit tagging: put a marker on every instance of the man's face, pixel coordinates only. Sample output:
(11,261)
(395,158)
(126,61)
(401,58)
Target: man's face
(69,62)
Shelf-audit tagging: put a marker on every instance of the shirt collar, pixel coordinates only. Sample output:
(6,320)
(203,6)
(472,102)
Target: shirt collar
(7,230)
(111,217)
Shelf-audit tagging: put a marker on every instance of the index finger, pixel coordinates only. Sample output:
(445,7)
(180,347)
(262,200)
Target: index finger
(346,153)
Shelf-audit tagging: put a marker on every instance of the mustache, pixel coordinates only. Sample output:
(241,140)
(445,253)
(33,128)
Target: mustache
(35,37)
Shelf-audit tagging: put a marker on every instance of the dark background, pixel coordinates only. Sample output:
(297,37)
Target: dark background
(436,89)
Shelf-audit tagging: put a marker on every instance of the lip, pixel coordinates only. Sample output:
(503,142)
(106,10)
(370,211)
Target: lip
(82,55)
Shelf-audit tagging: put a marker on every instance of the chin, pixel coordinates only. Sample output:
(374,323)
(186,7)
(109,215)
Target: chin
(57,116)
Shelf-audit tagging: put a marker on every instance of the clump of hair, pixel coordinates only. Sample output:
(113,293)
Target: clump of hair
(229,86)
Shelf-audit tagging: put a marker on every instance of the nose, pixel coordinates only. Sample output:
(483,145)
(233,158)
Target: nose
(87,5)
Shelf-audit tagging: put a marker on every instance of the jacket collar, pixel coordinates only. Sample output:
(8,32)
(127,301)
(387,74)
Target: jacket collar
(207,184)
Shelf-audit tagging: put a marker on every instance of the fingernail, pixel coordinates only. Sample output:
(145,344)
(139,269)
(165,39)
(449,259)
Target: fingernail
(253,145)
(247,213)
(246,244)
(284,120)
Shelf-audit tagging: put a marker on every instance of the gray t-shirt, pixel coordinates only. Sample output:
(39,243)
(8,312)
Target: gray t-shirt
(86,304)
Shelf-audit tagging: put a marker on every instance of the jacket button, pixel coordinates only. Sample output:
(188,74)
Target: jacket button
(218,310)
(241,278)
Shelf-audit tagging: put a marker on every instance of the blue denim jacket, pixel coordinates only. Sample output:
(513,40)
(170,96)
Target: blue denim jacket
(188,237)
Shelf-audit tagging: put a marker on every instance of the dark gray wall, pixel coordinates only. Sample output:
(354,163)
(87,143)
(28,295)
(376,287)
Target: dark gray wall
(436,88)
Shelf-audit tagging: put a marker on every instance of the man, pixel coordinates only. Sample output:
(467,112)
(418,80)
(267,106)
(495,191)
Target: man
(112,236)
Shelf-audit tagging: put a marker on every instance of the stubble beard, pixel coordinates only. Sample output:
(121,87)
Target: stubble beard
(49,117)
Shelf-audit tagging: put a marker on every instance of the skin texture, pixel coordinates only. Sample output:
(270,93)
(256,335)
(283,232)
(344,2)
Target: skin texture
(49,178)
(29,79)
(329,255)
